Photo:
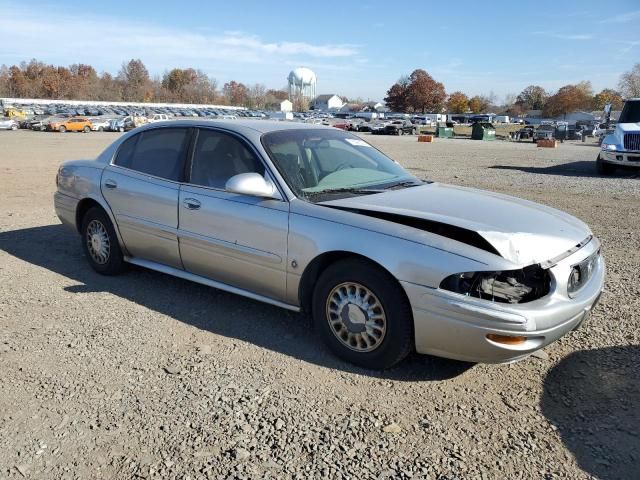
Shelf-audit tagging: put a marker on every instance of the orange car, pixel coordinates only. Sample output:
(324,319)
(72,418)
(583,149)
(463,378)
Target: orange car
(75,124)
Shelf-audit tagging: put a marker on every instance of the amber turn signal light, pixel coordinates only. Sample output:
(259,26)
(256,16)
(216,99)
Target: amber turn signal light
(505,339)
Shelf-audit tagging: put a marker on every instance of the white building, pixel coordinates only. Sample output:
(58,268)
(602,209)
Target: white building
(286,106)
(328,102)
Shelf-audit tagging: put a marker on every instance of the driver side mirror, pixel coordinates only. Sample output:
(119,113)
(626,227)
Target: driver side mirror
(252,184)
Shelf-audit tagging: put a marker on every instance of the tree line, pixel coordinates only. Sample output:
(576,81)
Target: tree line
(35,79)
(420,92)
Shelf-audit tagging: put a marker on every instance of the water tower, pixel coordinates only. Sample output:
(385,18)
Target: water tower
(302,83)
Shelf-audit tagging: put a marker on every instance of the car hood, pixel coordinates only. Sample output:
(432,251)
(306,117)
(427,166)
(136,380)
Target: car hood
(520,231)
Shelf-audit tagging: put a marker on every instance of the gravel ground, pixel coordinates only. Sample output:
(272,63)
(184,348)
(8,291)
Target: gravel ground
(148,376)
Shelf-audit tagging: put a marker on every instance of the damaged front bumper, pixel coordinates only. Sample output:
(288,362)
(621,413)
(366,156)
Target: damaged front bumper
(463,328)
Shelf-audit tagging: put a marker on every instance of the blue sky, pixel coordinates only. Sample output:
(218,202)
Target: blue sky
(356,48)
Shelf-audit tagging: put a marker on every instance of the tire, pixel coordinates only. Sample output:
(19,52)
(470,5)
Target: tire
(86,129)
(400,132)
(62,129)
(121,129)
(14,127)
(390,337)
(101,129)
(107,261)
(604,168)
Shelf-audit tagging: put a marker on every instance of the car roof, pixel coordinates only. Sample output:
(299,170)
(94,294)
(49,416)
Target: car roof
(257,125)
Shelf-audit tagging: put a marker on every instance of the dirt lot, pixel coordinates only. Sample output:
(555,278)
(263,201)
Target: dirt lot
(147,376)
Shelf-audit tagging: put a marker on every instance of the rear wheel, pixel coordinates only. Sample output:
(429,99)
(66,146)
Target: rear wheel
(100,243)
(604,168)
(14,127)
(362,314)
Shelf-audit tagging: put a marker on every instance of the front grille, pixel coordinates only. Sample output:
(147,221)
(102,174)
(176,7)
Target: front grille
(632,141)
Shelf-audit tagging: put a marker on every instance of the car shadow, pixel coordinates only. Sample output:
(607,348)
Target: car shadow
(593,398)
(57,249)
(572,169)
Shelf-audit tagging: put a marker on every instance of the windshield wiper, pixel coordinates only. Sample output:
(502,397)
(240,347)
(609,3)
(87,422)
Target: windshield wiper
(405,183)
(357,191)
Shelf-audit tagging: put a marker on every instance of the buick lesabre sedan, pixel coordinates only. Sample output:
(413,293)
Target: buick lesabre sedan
(315,219)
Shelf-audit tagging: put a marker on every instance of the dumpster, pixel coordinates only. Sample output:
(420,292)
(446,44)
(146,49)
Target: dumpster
(444,132)
(483,131)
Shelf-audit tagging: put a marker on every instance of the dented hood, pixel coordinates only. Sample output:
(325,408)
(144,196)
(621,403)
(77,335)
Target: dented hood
(522,232)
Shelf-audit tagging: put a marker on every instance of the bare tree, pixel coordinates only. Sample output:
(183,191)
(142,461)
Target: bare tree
(629,84)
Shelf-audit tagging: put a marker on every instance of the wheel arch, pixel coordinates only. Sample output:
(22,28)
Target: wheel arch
(321,262)
(87,203)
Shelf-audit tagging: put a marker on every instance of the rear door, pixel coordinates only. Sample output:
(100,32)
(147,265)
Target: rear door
(142,188)
(235,239)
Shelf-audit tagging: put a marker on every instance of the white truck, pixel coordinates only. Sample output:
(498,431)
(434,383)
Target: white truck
(622,147)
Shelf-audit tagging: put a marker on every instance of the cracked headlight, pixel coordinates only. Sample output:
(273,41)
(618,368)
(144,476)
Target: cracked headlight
(510,286)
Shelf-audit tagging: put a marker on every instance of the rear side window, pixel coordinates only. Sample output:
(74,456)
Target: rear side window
(157,152)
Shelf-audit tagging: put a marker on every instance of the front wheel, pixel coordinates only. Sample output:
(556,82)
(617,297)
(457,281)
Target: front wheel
(100,243)
(400,132)
(362,314)
(604,168)
(86,129)
(62,129)
(14,127)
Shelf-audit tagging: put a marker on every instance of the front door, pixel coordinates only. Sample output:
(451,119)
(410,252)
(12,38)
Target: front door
(234,239)
(142,188)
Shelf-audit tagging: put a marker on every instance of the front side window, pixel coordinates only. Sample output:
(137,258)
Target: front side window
(158,152)
(218,156)
(319,162)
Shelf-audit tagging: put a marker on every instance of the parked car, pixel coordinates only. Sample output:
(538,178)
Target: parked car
(526,132)
(378,127)
(9,124)
(315,219)
(158,117)
(400,127)
(545,131)
(99,124)
(73,124)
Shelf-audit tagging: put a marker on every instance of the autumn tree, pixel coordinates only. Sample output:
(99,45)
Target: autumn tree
(84,81)
(566,100)
(533,97)
(458,102)
(479,104)
(396,98)
(278,94)
(136,84)
(424,94)
(4,81)
(235,93)
(607,96)
(629,84)
(109,89)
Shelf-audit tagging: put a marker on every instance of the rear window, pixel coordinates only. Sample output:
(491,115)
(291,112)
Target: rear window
(158,152)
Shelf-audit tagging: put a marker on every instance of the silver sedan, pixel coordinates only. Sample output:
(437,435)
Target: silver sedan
(315,219)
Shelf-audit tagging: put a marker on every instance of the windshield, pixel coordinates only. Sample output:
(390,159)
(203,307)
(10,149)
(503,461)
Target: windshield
(630,112)
(319,162)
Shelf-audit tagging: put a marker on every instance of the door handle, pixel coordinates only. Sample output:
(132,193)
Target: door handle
(110,184)
(191,203)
